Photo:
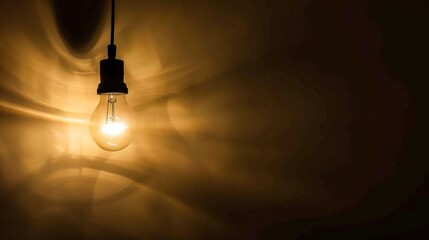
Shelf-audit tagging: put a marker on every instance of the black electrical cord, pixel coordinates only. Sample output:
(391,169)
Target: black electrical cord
(111,49)
(112,24)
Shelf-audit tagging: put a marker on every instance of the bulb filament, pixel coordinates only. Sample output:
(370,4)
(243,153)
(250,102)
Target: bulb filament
(113,126)
(111,105)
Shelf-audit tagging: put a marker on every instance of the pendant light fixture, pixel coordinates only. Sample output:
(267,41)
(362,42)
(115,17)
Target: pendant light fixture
(113,121)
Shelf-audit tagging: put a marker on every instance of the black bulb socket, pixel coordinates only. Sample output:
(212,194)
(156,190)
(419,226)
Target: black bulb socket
(112,74)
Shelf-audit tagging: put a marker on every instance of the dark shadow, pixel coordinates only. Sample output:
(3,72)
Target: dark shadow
(79,22)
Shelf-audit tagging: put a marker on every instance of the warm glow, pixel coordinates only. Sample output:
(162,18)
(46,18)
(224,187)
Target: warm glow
(113,128)
(112,123)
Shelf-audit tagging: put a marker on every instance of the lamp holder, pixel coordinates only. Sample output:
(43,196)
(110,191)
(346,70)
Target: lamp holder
(112,77)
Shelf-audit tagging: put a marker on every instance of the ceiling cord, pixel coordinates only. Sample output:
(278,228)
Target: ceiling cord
(112,24)
(111,49)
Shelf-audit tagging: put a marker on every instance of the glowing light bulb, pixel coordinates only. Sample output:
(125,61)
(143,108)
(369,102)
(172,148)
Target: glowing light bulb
(113,122)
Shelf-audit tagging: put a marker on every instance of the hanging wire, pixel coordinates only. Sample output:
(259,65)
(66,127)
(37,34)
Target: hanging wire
(111,49)
(112,24)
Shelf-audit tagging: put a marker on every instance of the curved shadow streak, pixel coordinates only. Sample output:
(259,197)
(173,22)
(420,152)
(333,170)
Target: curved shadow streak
(96,163)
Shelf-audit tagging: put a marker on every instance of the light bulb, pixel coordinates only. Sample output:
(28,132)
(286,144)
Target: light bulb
(113,122)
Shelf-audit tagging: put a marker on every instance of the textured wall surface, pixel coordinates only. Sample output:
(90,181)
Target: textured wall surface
(262,119)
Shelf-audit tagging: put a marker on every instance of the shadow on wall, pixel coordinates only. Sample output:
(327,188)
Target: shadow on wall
(244,119)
